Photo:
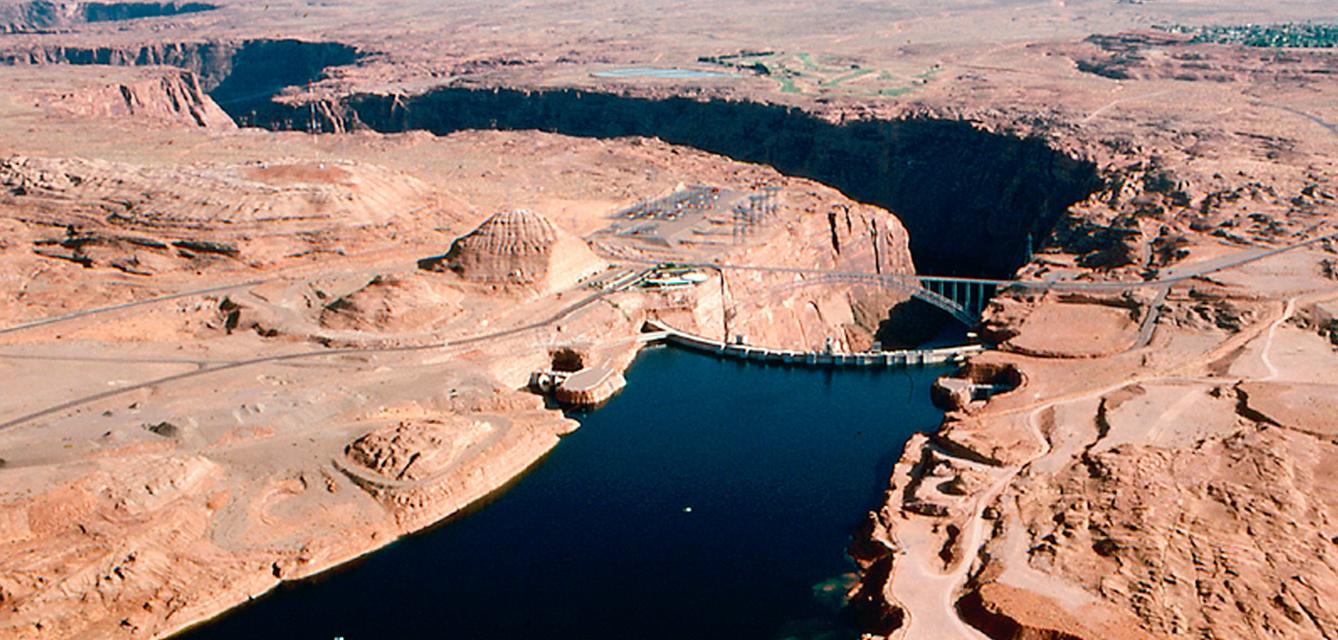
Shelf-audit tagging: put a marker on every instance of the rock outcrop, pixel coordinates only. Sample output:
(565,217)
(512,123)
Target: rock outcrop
(803,311)
(47,15)
(423,470)
(1005,612)
(415,450)
(394,303)
(172,97)
(520,248)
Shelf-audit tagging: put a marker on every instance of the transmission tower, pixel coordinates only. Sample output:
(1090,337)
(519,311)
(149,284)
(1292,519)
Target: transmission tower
(773,199)
(742,223)
(311,107)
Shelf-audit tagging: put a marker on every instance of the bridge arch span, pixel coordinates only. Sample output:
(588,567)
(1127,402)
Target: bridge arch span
(964,304)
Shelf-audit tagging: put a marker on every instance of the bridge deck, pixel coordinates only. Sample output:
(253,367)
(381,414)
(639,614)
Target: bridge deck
(1169,276)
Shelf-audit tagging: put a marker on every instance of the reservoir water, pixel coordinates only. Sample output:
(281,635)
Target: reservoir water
(711,499)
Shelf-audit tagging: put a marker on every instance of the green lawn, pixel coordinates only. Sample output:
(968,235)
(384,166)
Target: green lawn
(802,72)
(836,82)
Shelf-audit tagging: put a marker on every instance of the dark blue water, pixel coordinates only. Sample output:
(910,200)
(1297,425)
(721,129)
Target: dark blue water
(711,499)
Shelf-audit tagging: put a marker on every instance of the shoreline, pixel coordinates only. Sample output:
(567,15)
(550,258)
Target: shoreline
(481,497)
(334,565)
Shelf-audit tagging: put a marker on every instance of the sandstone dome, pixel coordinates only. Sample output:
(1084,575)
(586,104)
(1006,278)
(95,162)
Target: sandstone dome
(521,247)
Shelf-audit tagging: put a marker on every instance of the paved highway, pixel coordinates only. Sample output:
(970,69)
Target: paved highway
(138,303)
(458,342)
(1168,277)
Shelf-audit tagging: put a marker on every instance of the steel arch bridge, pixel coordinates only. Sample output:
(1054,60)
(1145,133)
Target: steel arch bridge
(962,298)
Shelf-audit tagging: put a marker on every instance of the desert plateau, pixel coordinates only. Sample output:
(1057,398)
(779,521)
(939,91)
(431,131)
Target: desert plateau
(1013,319)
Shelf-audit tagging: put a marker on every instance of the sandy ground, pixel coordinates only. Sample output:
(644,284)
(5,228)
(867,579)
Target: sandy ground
(1164,469)
(250,379)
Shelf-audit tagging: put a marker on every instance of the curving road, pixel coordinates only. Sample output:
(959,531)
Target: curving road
(1145,331)
(128,305)
(206,370)
(933,614)
(1055,285)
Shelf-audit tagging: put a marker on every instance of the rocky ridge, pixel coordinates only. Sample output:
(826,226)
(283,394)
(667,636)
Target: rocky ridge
(175,96)
(305,390)
(1130,490)
(519,248)
(1195,160)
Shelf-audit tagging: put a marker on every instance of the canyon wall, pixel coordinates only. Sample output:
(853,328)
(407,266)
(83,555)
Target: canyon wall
(241,76)
(974,202)
(41,16)
(170,97)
